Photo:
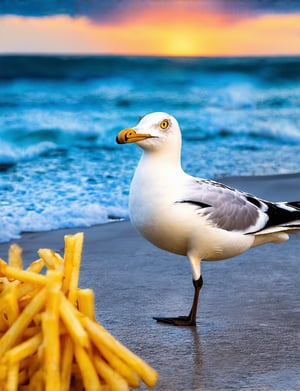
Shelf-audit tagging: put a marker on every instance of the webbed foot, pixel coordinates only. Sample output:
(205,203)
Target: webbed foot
(178,321)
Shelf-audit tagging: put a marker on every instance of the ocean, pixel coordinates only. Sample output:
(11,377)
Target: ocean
(59,115)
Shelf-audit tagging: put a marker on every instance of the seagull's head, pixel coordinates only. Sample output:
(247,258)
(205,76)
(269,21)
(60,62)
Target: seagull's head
(154,132)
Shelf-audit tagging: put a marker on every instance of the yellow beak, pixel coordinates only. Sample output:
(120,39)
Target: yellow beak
(130,136)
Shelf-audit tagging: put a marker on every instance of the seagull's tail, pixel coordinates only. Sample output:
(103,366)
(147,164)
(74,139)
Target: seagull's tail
(293,204)
(282,217)
(293,215)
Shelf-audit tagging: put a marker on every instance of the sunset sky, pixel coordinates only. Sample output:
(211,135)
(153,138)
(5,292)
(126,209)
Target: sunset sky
(151,27)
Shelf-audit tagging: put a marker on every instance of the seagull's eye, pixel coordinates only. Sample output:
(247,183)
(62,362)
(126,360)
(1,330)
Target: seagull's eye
(164,124)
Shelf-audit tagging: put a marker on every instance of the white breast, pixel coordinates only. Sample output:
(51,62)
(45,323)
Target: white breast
(154,211)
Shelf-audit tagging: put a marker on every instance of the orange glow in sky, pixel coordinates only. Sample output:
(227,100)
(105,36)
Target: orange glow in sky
(155,32)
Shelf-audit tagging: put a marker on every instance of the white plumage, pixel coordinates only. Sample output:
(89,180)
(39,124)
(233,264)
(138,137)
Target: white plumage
(199,218)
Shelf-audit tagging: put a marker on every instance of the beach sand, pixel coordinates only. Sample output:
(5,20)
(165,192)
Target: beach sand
(247,335)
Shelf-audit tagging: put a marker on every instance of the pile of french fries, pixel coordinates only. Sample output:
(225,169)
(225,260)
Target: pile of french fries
(49,338)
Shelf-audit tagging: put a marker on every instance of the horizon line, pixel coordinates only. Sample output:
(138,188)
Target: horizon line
(77,54)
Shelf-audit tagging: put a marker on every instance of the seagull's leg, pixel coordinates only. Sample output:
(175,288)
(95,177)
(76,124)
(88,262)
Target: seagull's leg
(189,320)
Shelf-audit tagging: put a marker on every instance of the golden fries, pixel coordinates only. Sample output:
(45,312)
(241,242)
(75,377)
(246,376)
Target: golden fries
(49,338)
(15,256)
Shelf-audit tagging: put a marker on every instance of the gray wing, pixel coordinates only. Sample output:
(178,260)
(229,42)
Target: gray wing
(234,210)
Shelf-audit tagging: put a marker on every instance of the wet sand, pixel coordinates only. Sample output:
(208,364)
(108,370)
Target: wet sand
(248,330)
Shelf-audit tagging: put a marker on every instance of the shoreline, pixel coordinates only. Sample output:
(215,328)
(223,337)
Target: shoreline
(263,186)
(247,333)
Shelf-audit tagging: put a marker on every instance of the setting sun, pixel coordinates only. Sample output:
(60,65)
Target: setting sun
(183,44)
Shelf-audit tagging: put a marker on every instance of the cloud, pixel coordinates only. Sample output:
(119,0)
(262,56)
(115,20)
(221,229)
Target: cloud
(111,10)
(258,6)
(74,8)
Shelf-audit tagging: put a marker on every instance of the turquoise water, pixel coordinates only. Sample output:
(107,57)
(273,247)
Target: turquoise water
(60,165)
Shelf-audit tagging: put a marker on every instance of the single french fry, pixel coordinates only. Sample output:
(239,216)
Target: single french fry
(22,275)
(51,351)
(24,349)
(100,336)
(110,376)
(66,362)
(120,366)
(68,262)
(18,327)
(50,329)
(36,266)
(15,256)
(76,260)
(12,379)
(51,259)
(69,316)
(86,302)
(88,372)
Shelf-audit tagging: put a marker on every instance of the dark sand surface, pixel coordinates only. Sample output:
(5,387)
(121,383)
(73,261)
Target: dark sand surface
(248,331)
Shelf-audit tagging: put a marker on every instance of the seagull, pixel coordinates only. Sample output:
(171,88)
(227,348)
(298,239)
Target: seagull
(198,218)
